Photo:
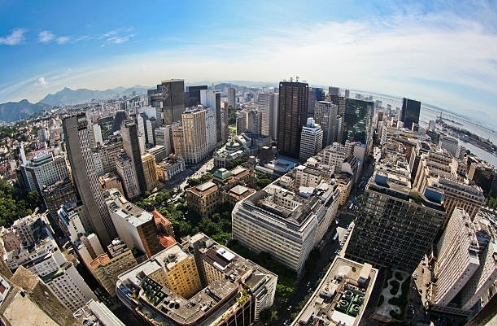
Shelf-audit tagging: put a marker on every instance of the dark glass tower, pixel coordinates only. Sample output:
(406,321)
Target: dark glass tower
(193,95)
(131,145)
(292,115)
(357,120)
(410,112)
(169,101)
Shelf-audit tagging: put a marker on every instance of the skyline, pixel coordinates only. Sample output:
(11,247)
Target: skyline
(436,52)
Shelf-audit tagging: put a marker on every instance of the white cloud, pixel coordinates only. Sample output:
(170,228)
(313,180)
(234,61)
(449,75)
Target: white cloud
(432,58)
(41,82)
(116,36)
(63,39)
(45,37)
(15,38)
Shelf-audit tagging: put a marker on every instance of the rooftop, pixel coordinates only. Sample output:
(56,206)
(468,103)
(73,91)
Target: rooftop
(342,296)
(121,207)
(209,303)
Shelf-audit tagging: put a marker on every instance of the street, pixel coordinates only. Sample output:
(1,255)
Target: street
(309,279)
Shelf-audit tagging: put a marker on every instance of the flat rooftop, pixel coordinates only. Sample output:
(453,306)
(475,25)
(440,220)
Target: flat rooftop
(342,296)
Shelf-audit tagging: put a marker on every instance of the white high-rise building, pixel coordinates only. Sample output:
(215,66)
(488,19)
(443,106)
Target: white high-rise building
(457,257)
(210,129)
(97,135)
(284,221)
(450,144)
(44,169)
(311,139)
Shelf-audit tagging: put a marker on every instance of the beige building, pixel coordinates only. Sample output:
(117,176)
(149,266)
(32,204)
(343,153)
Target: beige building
(437,171)
(198,283)
(105,268)
(179,272)
(193,146)
(149,170)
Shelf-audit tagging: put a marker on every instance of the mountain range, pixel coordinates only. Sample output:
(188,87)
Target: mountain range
(14,111)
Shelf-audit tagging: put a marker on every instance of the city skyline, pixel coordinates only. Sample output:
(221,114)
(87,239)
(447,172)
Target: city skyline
(433,52)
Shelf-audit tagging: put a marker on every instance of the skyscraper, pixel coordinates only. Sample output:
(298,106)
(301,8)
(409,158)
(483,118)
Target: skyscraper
(410,112)
(131,145)
(315,95)
(192,95)
(325,115)
(311,140)
(457,257)
(232,97)
(357,121)
(292,115)
(212,99)
(268,106)
(397,225)
(169,101)
(85,177)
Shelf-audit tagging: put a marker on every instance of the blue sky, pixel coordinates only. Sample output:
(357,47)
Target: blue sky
(440,52)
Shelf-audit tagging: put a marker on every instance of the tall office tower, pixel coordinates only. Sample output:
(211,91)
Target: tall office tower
(57,194)
(194,136)
(85,177)
(434,170)
(397,225)
(127,173)
(450,144)
(169,101)
(410,112)
(292,115)
(286,222)
(341,106)
(212,99)
(325,115)
(149,171)
(315,95)
(193,95)
(241,123)
(178,139)
(211,129)
(44,169)
(254,122)
(334,94)
(224,123)
(457,257)
(311,140)
(232,97)
(119,118)
(267,109)
(358,121)
(135,226)
(347,93)
(276,97)
(108,153)
(129,132)
(107,267)
(483,279)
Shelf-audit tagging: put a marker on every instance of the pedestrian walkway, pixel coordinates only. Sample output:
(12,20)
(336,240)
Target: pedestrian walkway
(386,308)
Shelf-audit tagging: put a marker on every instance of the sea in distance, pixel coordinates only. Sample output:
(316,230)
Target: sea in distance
(429,112)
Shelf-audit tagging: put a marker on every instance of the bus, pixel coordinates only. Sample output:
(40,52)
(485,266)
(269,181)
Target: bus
(335,237)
